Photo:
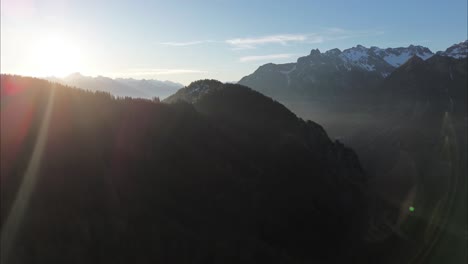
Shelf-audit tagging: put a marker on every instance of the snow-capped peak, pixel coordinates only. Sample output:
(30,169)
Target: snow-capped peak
(398,56)
(457,51)
(356,53)
(365,58)
(374,59)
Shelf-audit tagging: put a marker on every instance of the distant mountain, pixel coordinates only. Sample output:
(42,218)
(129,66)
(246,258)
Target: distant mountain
(404,112)
(218,174)
(334,75)
(457,51)
(330,74)
(121,87)
(383,61)
(398,56)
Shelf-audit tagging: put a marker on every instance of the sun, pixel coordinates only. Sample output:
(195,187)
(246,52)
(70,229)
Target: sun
(55,55)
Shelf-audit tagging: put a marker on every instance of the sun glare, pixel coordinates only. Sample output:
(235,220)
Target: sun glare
(55,55)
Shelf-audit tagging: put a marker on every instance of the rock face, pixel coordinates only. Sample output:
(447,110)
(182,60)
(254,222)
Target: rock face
(228,176)
(457,51)
(338,76)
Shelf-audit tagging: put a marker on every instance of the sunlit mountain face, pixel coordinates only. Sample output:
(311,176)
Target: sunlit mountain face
(233,132)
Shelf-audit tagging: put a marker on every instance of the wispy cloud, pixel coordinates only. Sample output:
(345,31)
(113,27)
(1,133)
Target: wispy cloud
(186,43)
(340,33)
(250,43)
(266,57)
(158,71)
(322,35)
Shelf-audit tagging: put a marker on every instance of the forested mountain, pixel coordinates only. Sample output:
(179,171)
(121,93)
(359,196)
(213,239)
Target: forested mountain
(231,177)
(120,86)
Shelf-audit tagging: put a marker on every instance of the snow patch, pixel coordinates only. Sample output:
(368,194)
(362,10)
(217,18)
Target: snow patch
(358,57)
(396,60)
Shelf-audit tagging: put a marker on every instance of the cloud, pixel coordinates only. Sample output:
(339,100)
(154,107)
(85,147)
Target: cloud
(187,43)
(250,43)
(157,71)
(266,57)
(324,34)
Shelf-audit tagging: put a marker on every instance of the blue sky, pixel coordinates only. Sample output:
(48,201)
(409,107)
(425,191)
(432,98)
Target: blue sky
(188,40)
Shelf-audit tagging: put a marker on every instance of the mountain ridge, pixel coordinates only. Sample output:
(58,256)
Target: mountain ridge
(383,61)
(235,168)
(138,88)
(351,74)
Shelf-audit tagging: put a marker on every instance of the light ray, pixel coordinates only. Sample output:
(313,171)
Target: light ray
(15,217)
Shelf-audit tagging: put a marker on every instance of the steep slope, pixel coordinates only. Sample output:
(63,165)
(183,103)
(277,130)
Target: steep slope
(330,75)
(232,178)
(299,150)
(439,83)
(238,108)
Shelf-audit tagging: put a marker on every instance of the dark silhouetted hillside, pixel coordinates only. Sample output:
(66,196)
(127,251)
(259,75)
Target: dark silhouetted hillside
(231,177)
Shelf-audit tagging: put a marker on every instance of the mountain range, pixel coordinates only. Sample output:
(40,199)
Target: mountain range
(120,86)
(220,173)
(404,112)
(354,72)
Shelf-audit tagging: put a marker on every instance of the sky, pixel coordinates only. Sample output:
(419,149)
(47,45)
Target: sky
(188,40)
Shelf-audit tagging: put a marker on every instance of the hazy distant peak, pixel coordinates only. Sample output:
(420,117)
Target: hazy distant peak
(314,52)
(172,83)
(74,75)
(120,86)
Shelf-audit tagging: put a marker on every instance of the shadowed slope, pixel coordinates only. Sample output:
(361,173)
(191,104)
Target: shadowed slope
(232,178)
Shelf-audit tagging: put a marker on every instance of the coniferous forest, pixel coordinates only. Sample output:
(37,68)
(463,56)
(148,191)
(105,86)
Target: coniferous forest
(235,178)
